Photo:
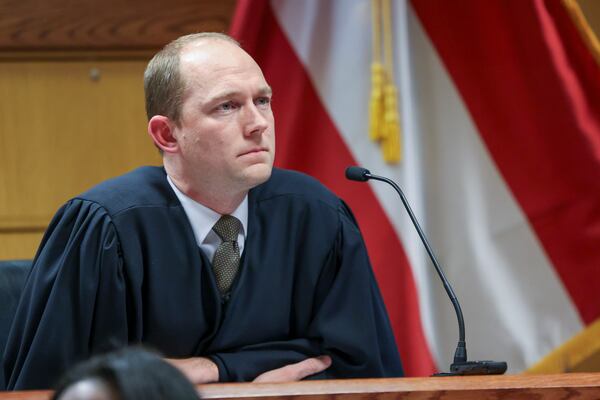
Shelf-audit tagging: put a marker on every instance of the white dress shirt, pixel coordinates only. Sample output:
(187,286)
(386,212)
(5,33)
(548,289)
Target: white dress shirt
(203,219)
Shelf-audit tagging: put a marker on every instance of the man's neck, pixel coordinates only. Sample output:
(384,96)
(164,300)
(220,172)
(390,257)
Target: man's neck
(219,201)
(221,197)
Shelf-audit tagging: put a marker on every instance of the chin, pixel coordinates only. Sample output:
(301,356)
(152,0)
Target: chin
(257,174)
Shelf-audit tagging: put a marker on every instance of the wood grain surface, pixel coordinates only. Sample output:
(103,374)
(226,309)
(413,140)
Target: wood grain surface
(108,24)
(64,127)
(550,387)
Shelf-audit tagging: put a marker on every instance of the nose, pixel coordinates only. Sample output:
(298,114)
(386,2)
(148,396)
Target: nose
(255,120)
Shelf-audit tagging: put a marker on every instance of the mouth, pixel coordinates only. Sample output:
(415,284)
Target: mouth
(255,150)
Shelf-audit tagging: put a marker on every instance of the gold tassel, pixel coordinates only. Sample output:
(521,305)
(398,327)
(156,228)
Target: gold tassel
(377,76)
(391,145)
(384,118)
(376,110)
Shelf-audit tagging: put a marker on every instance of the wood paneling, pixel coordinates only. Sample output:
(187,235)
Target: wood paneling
(64,126)
(107,24)
(19,245)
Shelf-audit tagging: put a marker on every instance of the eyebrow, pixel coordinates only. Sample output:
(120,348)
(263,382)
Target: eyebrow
(263,91)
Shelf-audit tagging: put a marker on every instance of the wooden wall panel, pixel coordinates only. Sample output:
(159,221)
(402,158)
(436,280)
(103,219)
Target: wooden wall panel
(106,24)
(19,245)
(61,132)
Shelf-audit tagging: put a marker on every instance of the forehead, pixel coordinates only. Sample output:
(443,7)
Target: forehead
(216,63)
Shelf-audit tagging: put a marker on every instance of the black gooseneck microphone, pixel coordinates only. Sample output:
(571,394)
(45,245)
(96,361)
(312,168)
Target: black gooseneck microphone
(460,366)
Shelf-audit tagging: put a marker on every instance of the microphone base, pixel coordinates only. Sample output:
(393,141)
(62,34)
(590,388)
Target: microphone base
(486,367)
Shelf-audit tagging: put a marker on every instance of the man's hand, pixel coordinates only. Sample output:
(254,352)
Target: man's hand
(197,369)
(297,371)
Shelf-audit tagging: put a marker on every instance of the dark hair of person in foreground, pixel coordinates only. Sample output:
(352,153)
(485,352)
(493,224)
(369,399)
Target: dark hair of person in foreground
(127,374)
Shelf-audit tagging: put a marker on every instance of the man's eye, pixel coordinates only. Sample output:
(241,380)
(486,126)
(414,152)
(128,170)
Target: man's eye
(263,101)
(226,106)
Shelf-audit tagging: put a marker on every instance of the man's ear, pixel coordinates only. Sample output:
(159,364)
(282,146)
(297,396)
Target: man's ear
(160,129)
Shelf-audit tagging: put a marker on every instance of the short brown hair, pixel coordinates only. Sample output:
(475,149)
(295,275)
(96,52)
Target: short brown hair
(163,84)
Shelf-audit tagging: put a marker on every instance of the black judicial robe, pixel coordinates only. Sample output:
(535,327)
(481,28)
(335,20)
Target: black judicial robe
(119,265)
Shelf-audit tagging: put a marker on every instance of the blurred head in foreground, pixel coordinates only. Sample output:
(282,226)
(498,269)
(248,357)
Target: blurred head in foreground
(128,374)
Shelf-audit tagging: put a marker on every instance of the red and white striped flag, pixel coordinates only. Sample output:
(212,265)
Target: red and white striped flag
(500,106)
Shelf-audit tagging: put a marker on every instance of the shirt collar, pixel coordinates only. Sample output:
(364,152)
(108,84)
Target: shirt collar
(203,218)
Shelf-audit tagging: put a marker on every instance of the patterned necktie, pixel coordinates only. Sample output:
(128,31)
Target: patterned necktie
(226,260)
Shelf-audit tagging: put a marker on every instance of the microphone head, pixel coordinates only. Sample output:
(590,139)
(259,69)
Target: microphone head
(357,174)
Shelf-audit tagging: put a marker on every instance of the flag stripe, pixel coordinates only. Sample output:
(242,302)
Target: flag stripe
(320,151)
(540,123)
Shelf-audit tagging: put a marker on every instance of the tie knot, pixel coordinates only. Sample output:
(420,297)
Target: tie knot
(228,228)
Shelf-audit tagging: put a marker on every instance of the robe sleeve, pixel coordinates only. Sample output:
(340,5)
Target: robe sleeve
(73,304)
(350,322)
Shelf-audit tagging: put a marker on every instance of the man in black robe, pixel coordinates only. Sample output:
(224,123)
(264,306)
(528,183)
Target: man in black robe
(134,259)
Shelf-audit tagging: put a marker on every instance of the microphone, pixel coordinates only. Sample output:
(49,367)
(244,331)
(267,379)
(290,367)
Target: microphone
(460,366)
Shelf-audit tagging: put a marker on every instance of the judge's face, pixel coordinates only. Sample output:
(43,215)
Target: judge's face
(226,131)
